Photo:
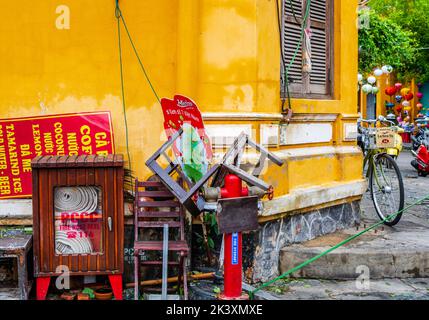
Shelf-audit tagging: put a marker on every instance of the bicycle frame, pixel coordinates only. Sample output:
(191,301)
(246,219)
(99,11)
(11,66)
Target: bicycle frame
(370,159)
(378,164)
(371,154)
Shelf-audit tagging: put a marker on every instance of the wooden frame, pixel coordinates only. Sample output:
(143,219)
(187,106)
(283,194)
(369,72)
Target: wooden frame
(50,172)
(229,164)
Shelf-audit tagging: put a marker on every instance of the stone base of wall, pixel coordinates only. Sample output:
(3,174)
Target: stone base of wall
(261,248)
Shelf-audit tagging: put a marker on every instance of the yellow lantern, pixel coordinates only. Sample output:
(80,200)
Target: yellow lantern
(406,105)
(405,91)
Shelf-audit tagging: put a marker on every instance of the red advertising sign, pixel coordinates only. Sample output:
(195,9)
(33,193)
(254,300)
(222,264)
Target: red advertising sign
(193,150)
(182,110)
(22,139)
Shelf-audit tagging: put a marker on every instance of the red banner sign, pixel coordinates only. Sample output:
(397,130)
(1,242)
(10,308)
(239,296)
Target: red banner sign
(22,139)
(182,110)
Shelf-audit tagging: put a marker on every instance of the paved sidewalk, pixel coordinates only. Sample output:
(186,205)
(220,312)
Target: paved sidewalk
(399,253)
(312,289)
(415,188)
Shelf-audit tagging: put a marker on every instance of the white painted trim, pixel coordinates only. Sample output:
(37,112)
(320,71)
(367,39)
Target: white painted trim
(269,135)
(313,196)
(350,131)
(305,153)
(241,116)
(309,132)
(297,154)
(255,116)
(222,135)
(16,208)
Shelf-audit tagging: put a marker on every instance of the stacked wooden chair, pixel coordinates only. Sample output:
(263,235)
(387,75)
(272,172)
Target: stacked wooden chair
(155,206)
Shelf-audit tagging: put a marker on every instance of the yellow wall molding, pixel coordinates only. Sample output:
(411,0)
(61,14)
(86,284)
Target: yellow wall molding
(314,196)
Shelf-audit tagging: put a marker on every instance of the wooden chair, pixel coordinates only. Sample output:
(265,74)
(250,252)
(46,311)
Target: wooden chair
(155,206)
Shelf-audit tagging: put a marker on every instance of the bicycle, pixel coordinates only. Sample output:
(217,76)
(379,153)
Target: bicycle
(383,175)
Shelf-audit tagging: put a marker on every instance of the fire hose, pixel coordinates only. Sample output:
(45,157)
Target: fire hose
(76,199)
(71,201)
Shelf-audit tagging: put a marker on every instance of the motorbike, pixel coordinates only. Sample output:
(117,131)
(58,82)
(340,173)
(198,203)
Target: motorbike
(421,162)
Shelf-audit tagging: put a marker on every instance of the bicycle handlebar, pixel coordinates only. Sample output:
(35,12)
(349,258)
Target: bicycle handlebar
(374,121)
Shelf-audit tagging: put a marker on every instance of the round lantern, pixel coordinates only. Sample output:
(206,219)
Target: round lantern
(375,90)
(404,91)
(398,98)
(406,103)
(398,86)
(367,88)
(389,105)
(371,80)
(419,95)
(398,108)
(390,91)
(409,96)
(387,69)
(378,72)
(360,77)
(419,106)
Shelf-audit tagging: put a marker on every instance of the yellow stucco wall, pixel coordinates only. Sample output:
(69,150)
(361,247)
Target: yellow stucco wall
(223,54)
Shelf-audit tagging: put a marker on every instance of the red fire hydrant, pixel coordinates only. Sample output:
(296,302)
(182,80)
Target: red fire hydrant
(233,269)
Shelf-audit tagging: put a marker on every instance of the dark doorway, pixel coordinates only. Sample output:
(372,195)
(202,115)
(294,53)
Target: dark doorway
(371,106)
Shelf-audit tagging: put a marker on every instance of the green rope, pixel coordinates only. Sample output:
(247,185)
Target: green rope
(120,16)
(124,109)
(305,263)
(304,25)
(285,82)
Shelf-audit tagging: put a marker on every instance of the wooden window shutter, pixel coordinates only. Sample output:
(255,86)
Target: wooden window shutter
(316,83)
(291,37)
(320,19)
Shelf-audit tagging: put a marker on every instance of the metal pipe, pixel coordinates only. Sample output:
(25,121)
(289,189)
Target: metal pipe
(164,262)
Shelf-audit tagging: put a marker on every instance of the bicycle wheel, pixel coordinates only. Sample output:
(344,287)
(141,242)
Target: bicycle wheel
(387,188)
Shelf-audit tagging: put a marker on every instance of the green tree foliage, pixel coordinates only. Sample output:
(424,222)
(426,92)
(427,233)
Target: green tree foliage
(411,16)
(383,42)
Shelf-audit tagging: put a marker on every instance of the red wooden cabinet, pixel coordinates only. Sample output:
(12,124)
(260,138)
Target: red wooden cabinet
(78,213)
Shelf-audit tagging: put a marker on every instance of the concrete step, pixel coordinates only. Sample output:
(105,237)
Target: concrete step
(384,253)
(385,289)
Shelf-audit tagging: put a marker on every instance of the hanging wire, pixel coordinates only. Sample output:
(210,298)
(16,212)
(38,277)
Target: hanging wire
(118,14)
(287,66)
